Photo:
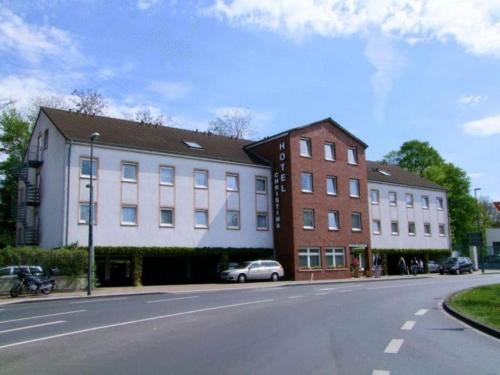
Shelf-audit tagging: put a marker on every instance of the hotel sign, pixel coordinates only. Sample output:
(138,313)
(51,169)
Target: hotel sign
(280,179)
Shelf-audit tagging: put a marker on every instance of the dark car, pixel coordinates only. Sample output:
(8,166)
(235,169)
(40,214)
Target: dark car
(456,265)
(12,271)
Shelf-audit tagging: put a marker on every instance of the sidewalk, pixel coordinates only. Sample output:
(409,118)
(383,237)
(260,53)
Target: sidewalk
(203,288)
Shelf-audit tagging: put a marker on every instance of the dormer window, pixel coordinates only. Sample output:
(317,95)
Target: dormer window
(382,172)
(192,144)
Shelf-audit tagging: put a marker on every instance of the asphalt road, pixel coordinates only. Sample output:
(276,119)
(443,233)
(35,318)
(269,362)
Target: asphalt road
(395,327)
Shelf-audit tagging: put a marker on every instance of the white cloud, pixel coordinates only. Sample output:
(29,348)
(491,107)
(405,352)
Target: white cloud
(472,100)
(34,42)
(146,4)
(483,127)
(170,90)
(473,24)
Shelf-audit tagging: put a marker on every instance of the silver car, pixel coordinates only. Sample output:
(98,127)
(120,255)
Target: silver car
(254,270)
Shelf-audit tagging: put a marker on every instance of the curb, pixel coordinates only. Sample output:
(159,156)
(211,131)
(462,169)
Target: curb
(469,321)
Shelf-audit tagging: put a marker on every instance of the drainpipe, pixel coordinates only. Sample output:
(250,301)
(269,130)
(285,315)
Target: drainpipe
(67,191)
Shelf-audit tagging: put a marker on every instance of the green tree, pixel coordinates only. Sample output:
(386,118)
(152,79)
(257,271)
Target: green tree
(14,137)
(415,156)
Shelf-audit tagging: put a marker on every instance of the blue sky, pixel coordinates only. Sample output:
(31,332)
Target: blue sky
(389,71)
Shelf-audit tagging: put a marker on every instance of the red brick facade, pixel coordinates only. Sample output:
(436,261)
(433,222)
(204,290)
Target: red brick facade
(289,201)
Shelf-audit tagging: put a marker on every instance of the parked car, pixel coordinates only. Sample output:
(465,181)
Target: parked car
(11,271)
(254,270)
(432,266)
(456,265)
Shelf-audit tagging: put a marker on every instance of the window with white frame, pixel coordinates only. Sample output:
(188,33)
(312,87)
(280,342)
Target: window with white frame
(329,151)
(375,196)
(409,200)
(352,155)
(46,139)
(260,185)
(333,220)
(356,221)
(129,172)
(440,203)
(305,147)
(427,229)
(84,214)
(232,183)
(129,215)
(233,219)
(167,175)
(442,231)
(425,201)
(308,219)
(306,182)
(166,217)
(335,258)
(376,228)
(201,219)
(200,179)
(85,167)
(354,187)
(262,221)
(393,198)
(309,258)
(395,228)
(331,185)
(411,228)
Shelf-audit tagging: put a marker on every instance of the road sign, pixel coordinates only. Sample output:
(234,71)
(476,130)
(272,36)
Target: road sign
(475,239)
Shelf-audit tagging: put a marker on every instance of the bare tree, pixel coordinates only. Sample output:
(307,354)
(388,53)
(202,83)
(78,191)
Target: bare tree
(54,101)
(88,102)
(235,122)
(6,102)
(145,116)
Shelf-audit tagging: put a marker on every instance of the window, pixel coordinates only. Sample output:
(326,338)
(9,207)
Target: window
(335,258)
(442,232)
(308,219)
(307,182)
(129,172)
(201,179)
(40,148)
(233,219)
(393,198)
(232,182)
(333,220)
(192,144)
(305,148)
(411,228)
(167,176)
(375,196)
(46,139)
(85,213)
(440,203)
(394,228)
(352,155)
(329,151)
(376,227)
(167,217)
(331,185)
(309,258)
(354,188)
(427,229)
(409,200)
(85,166)
(260,185)
(425,201)
(356,221)
(129,215)
(262,222)
(201,219)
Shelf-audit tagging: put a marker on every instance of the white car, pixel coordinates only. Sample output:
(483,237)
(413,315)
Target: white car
(254,270)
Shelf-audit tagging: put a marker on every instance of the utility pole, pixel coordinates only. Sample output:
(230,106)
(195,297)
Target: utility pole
(93,137)
(479,230)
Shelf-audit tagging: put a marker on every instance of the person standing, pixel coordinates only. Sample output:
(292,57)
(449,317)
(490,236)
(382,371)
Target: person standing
(414,266)
(377,266)
(402,265)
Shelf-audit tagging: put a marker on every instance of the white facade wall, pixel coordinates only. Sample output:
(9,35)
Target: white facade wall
(386,213)
(492,235)
(111,193)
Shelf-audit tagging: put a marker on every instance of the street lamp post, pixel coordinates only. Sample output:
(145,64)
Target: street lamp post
(479,230)
(93,137)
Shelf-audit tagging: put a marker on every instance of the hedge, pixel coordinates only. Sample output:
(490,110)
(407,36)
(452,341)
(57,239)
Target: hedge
(71,262)
(182,251)
(412,251)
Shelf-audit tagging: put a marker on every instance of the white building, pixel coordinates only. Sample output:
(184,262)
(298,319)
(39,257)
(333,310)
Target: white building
(493,241)
(153,186)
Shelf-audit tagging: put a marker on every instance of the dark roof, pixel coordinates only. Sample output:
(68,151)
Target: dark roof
(397,176)
(328,119)
(136,135)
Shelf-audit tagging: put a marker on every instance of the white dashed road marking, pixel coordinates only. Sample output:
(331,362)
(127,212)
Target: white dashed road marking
(293,297)
(171,299)
(99,300)
(394,346)
(345,291)
(408,326)
(421,312)
(33,326)
(41,316)
(321,294)
(381,372)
